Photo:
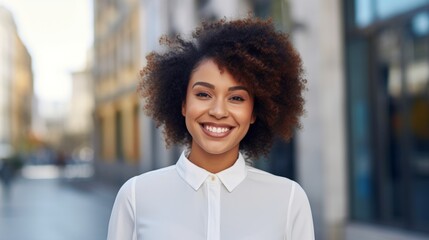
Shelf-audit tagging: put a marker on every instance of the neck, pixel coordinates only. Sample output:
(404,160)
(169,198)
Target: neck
(213,163)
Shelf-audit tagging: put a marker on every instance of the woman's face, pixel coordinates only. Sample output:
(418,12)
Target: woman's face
(218,110)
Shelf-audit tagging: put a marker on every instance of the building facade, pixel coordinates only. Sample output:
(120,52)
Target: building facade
(16,86)
(364,148)
(78,130)
(21,98)
(321,149)
(7,43)
(387,72)
(117,62)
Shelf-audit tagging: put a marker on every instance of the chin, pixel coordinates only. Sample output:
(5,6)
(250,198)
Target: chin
(217,150)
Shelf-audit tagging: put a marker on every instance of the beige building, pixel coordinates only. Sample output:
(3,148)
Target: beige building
(21,99)
(7,45)
(115,72)
(16,86)
(78,129)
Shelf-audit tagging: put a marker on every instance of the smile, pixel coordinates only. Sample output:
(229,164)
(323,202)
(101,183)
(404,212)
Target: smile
(216,131)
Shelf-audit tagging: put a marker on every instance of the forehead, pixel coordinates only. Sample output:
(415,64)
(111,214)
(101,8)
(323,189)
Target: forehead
(209,71)
(206,66)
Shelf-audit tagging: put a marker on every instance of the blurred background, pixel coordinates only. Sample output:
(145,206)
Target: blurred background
(72,130)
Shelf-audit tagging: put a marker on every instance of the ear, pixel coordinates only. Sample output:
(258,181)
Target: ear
(184,108)
(253,119)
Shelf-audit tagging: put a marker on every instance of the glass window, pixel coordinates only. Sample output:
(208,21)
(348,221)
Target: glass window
(420,24)
(368,11)
(360,147)
(364,12)
(388,102)
(416,118)
(389,94)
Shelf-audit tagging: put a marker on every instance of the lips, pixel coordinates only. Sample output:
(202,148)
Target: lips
(215,130)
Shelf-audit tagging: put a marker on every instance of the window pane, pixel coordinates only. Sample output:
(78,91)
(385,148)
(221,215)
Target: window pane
(417,88)
(369,11)
(362,200)
(388,8)
(388,96)
(364,12)
(390,128)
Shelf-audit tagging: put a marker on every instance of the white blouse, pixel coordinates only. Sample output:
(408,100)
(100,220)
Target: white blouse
(184,201)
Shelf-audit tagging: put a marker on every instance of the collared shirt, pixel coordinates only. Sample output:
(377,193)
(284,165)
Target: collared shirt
(185,201)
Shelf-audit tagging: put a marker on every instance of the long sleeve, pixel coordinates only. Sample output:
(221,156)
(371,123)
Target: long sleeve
(300,223)
(122,219)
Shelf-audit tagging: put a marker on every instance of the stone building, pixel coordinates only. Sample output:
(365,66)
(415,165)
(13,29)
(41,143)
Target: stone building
(115,71)
(16,86)
(78,129)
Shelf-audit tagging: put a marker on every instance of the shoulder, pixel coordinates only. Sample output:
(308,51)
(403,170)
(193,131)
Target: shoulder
(158,172)
(276,183)
(156,176)
(147,181)
(149,176)
(266,177)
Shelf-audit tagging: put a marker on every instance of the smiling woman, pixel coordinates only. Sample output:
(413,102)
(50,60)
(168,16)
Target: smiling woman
(218,112)
(225,95)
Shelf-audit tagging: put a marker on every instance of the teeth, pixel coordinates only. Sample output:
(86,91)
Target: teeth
(217,129)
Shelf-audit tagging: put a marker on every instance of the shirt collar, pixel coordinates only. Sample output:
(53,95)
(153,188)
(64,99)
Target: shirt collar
(195,176)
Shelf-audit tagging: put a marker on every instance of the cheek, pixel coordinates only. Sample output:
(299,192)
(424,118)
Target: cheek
(191,109)
(187,105)
(247,114)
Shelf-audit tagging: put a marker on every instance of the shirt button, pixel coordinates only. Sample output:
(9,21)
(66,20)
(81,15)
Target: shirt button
(213,178)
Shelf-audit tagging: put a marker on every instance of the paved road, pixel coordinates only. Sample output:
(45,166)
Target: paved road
(55,209)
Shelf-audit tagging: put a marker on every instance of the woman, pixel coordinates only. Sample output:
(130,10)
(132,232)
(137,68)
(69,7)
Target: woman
(225,95)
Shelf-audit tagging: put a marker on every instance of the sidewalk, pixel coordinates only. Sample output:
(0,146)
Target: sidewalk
(55,209)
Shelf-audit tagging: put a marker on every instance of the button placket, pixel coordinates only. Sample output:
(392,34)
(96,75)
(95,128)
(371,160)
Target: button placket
(213,188)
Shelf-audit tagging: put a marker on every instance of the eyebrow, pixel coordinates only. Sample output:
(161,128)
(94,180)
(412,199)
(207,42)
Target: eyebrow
(211,86)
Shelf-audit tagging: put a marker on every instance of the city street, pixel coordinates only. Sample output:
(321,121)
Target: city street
(55,209)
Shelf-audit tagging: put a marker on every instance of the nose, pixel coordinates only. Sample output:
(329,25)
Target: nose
(218,109)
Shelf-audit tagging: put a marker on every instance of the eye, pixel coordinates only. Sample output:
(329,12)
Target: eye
(237,99)
(202,95)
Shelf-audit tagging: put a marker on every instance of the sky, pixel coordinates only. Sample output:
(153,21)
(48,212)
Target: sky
(58,35)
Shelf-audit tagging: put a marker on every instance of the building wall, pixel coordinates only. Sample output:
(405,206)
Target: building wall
(82,101)
(16,85)
(332,166)
(321,143)
(7,41)
(22,93)
(115,72)
(78,129)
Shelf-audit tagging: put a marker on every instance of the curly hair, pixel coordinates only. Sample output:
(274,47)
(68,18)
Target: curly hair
(254,53)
